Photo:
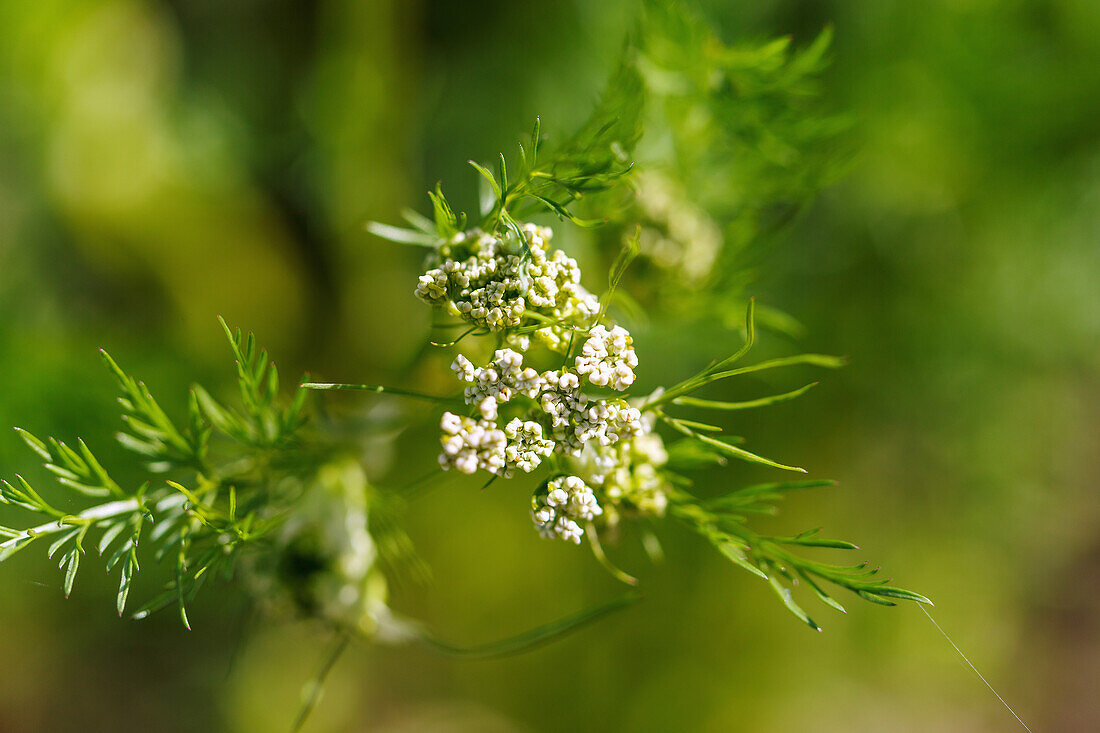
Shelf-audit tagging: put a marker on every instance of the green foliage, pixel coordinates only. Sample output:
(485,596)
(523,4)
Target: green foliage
(735,144)
(725,520)
(594,162)
(734,147)
(679,395)
(151,433)
(201,523)
(263,422)
(750,141)
(697,151)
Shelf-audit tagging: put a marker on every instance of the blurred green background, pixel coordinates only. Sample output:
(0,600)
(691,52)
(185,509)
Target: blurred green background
(165,162)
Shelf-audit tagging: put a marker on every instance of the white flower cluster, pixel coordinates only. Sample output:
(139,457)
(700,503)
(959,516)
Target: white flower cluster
(490,282)
(628,473)
(472,444)
(496,383)
(608,359)
(526,447)
(567,499)
(576,420)
(469,445)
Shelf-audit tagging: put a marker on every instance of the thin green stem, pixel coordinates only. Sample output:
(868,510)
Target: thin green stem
(312,690)
(88,516)
(376,388)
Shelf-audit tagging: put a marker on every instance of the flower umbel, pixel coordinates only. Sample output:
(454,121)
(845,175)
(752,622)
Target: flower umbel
(607,358)
(567,499)
(497,283)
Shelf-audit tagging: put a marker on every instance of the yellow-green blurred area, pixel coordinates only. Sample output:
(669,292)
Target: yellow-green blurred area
(162,163)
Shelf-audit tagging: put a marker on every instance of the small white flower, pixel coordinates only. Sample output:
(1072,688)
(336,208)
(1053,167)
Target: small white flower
(607,358)
(628,471)
(526,446)
(488,408)
(451,423)
(496,383)
(493,282)
(469,445)
(568,530)
(462,367)
(567,499)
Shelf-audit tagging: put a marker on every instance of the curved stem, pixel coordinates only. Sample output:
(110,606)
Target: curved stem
(312,691)
(534,637)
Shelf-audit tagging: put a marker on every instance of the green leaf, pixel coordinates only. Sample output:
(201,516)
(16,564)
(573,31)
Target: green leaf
(35,444)
(60,542)
(821,360)
(775,487)
(221,418)
(745,455)
(447,222)
(9,548)
(873,598)
(158,436)
(747,404)
(159,602)
(601,557)
(502,171)
(689,385)
(402,236)
(124,586)
(821,594)
(785,595)
(627,253)
(736,552)
(72,565)
(488,176)
(808,539)
(564,213)
(180,570)
(109,536)
(689,453)
(892,592)
(419,221)
(694,425)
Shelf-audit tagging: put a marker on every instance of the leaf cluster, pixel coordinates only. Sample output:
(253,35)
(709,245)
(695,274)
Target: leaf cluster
(751,141)
(724,521)
(595,160)
(706,434)
(202,518)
